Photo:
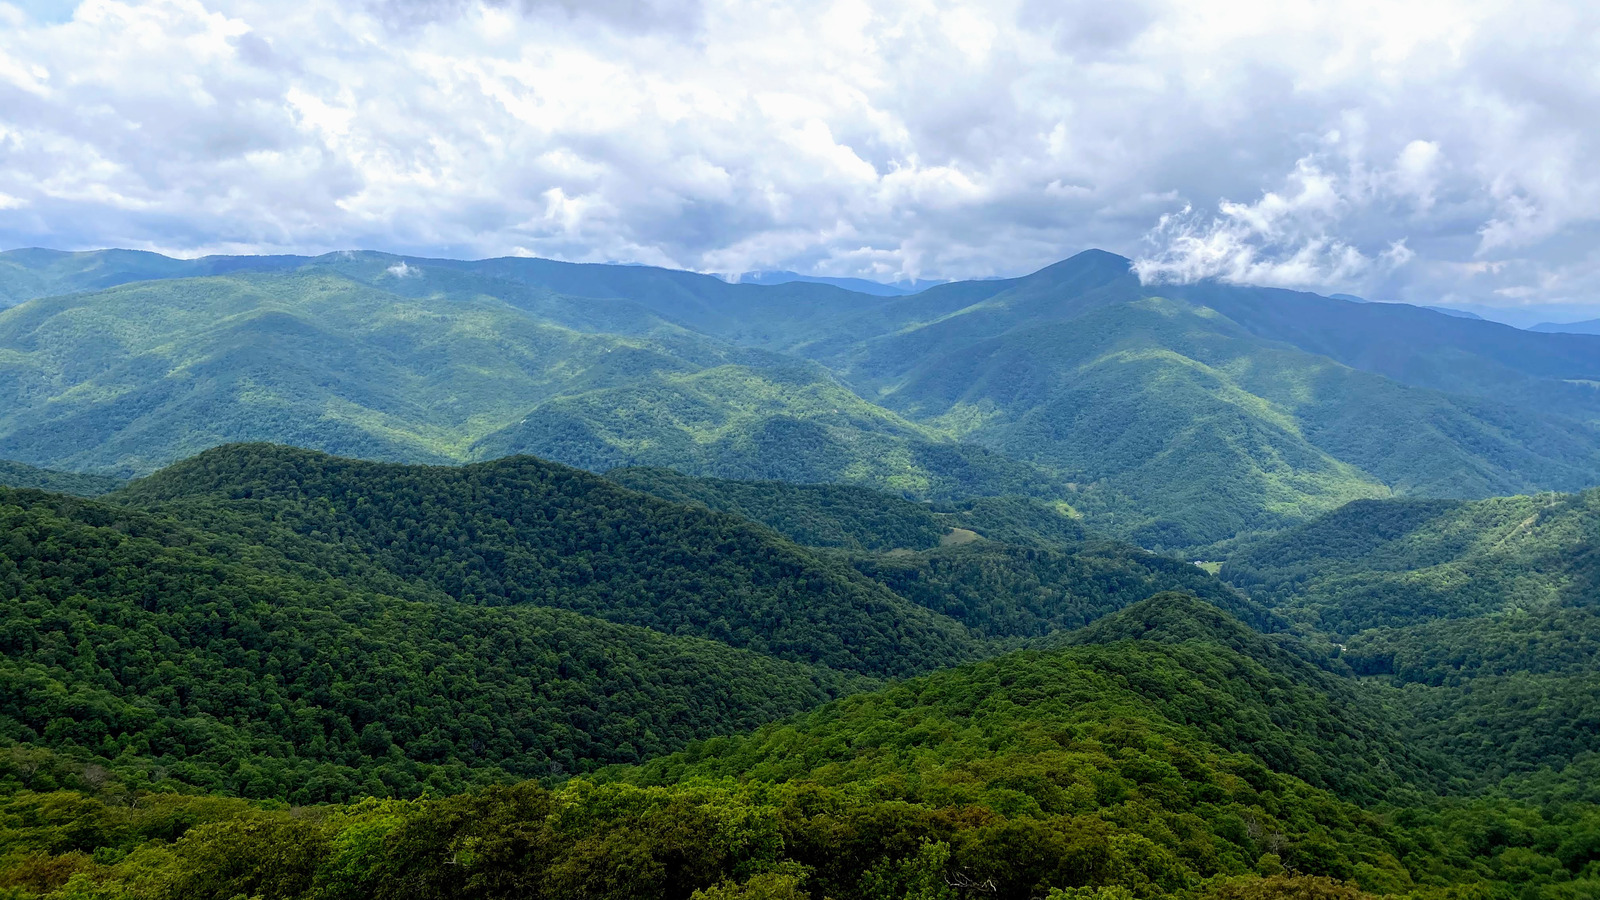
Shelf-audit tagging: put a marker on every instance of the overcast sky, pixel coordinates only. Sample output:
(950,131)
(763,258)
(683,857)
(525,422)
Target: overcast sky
(1433,152)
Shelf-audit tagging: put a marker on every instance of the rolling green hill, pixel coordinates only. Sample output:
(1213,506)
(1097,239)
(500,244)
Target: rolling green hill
(273,622)
(524,531)
(1183,662)
(1007,567)
(1007,591)
(860,641)
(172,656)
(1191,427)
(1423,347)
(793,423)
(348,357)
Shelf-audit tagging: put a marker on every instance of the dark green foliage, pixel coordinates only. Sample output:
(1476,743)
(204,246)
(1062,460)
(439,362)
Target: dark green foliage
(1041,580)
(1548,640)
(1514,695)
(1026,592)
(524,531)
(18,475)
(175,654)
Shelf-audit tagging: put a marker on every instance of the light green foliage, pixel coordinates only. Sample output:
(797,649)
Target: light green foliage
(1482,614)
(1398,563)
(791,423)
(855,518)
(434,365)
(1190,429)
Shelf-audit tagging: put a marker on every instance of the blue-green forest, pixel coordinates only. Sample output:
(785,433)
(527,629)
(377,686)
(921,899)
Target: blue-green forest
(369,576)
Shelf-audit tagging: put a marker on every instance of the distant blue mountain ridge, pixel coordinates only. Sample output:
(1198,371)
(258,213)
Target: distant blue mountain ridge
(859,285)
(1588,326)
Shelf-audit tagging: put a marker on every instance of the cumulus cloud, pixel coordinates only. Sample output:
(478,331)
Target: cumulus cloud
(879,138)
(1296,237)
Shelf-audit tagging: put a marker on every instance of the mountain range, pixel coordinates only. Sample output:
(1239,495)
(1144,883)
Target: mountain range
(1173,416)
(366,576)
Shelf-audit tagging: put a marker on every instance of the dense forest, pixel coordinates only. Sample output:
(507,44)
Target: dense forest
(523,531)
(851,517)
(1170,765)
(279,624)
(159,653)
(17,475)
(268,672)
(1482,615)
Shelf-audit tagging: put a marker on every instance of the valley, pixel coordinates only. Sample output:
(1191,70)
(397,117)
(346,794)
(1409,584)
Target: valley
(376,576)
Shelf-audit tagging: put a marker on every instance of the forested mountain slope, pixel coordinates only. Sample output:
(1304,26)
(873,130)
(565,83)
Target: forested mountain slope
(1006,591)
(1402,562)
(1163,756)
(1007,567)
(350,357)
(1076,368)
(274,622)
(1397,693)
(1174,416)
(1423,347)
(1209,673)
(793,423)
(525,531)
(1485,613)
(852,517)
(30,273)
(139,644)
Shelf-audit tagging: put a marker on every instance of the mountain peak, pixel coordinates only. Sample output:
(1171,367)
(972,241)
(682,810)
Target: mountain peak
(1092,260)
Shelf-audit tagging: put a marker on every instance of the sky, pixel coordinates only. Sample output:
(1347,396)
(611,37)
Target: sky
(1426,152)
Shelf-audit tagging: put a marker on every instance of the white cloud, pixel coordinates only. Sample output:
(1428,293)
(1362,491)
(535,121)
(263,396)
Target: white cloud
(887,138)
(1295,237)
